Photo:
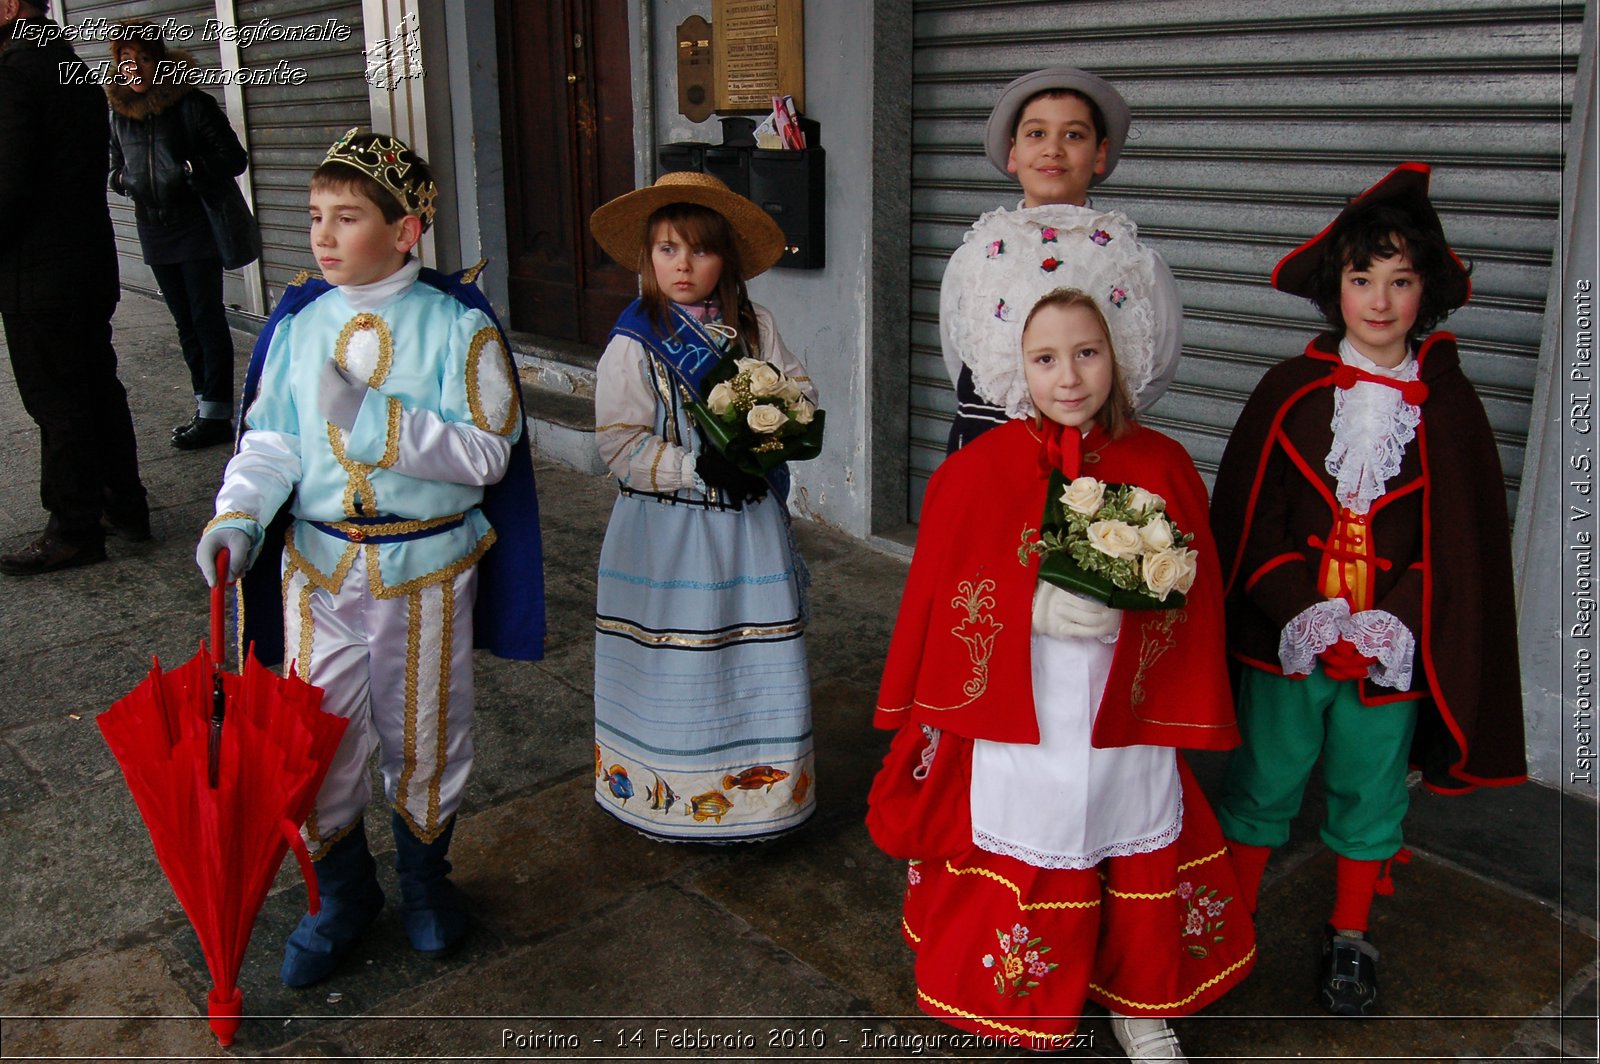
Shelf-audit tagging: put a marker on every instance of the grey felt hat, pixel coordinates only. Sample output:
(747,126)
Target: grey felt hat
(1003,119)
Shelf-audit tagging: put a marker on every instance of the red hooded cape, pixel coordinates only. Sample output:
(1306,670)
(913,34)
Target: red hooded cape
(960,656)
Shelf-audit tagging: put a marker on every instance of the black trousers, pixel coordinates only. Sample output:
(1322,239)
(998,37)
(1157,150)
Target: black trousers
(66,372)
(974,414)
(193,291)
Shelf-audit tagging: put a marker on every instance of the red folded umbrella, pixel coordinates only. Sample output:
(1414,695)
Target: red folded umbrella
(224,769)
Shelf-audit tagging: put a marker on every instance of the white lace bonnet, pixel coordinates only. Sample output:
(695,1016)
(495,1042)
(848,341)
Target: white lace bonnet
(1025,254)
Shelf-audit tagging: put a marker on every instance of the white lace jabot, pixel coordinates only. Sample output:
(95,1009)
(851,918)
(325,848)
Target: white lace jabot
(1372,424)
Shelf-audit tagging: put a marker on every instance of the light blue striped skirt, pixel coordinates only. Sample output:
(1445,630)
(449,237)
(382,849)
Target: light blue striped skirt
(701,695)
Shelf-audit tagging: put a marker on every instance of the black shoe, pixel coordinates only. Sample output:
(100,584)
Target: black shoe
(49,553)
(1349,985)
(178,430)
(204,432)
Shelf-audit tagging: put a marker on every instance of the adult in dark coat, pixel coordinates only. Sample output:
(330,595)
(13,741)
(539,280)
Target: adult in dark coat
(166,136)
(58,289)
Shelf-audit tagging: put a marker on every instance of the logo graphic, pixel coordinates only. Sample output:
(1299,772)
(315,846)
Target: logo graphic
(389,62)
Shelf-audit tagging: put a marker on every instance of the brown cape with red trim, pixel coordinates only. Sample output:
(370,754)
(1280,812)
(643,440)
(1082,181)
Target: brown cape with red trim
(960,658)
(1440,530)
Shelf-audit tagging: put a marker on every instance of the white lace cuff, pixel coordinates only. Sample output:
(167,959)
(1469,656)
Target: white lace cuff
(690,476)
(1381,635)
(1310,632)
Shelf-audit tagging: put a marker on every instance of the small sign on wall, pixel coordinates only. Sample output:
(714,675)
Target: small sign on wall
(759,47)
(696,70)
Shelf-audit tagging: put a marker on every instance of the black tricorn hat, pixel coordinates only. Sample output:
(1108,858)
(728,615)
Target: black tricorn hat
(1406,188)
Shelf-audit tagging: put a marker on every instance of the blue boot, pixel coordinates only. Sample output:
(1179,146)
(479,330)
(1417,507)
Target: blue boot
(433,909)
(351,899)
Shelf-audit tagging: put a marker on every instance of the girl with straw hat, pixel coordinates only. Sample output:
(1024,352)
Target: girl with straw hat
(702,697)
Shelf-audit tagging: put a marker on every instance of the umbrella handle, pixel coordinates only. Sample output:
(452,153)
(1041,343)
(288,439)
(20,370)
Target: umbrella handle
(291,834)
(218,596)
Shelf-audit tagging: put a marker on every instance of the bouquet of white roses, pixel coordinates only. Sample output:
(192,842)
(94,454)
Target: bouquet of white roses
(756,416)
(1113,542)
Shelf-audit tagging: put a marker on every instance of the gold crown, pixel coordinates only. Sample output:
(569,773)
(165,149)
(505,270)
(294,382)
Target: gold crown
(389,162)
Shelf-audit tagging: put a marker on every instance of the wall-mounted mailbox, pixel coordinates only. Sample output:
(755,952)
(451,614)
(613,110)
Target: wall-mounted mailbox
(788,185)
(687,155)
(731,166)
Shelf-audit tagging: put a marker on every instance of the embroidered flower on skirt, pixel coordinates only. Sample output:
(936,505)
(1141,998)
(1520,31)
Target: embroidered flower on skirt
(1050,265)
(1020,963)
(1101,237)
(996,249)
(1202,917)
(1118,297)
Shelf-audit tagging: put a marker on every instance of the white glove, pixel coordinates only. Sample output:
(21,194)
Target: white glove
(205,554)
(1061,614)
(339,396)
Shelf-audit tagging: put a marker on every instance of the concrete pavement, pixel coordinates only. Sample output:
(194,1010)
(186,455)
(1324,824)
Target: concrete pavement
(591,942)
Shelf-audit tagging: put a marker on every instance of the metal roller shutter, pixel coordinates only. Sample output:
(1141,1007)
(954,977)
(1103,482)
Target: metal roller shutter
(186,13)
(1253,122)
(291,126)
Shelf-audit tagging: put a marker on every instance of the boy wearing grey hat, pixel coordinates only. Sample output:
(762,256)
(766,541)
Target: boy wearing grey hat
(1059,132)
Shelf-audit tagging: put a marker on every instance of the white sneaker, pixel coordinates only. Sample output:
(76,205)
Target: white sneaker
(1147,1041)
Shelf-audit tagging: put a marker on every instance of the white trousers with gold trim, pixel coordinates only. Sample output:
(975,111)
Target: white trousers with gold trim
(400,670)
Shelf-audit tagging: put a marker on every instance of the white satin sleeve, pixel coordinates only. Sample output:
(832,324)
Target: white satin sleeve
(468,439)
(424,445)
(257,482)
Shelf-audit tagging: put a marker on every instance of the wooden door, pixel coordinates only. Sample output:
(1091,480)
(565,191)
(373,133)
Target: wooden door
(566,105)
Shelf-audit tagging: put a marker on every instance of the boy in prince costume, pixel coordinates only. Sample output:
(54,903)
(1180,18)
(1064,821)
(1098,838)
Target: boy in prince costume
(379,407)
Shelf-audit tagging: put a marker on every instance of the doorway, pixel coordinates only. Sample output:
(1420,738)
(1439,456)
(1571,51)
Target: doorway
(566,106)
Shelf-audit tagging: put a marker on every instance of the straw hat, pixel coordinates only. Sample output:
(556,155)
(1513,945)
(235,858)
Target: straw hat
(1404,187)
(619,226)
(1003,119)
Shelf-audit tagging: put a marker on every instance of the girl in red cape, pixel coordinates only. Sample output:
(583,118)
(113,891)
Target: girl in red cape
(1059,847)
(1361,515)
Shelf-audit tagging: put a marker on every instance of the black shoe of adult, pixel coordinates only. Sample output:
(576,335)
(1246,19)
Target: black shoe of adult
(49,553)
(205,432)
(178,430)
(1349,984)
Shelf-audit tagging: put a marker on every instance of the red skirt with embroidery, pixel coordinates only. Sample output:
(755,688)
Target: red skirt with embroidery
(1005,948)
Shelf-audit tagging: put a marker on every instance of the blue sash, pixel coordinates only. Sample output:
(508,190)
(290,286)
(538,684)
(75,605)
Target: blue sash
(689,352)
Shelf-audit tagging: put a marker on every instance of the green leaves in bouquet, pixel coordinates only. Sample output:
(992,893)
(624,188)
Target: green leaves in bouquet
(1069,560)
(730,433)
